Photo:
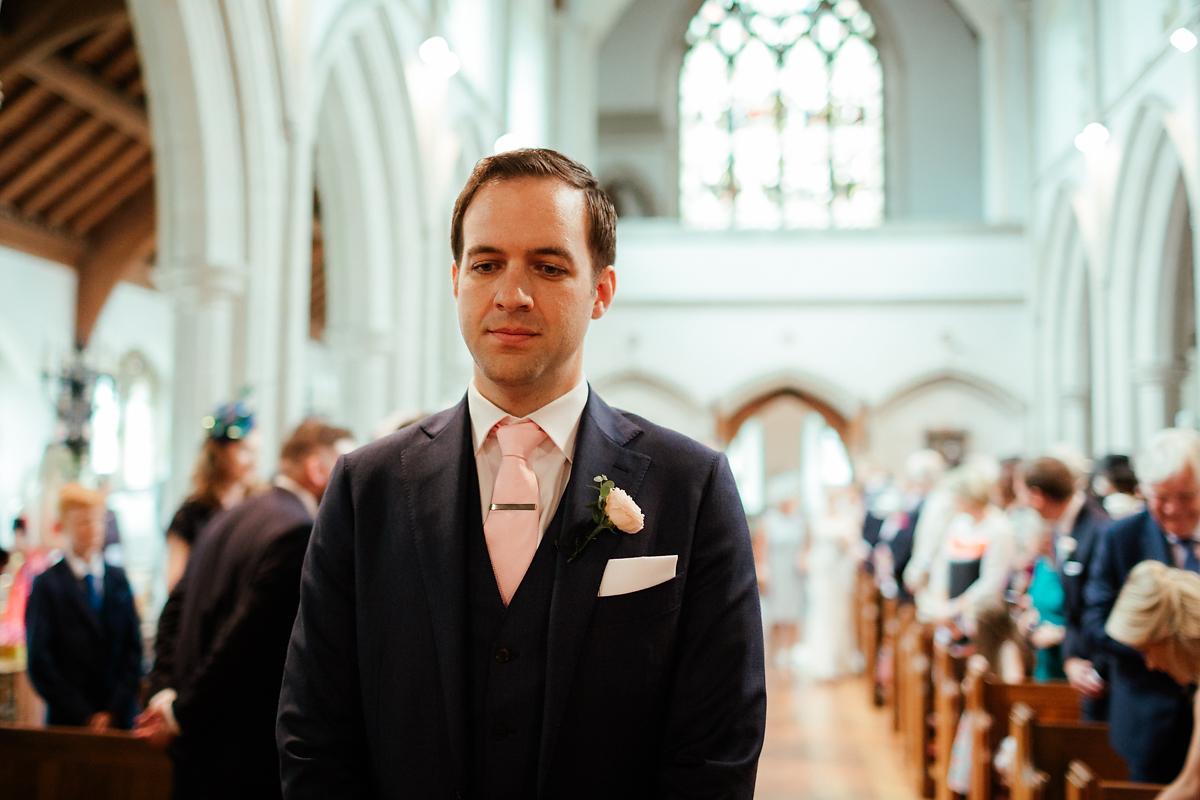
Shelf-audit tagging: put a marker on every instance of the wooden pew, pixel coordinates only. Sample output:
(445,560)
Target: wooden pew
(1045,749)
(896,618)
(869,624)
(989,704)
(916,665)
(1083,784)
(949,669)
(71,763)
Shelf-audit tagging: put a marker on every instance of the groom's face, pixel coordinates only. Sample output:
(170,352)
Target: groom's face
(526,289)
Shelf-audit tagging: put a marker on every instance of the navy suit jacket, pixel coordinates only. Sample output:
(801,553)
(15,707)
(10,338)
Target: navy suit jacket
(1073,574)
(1150,715)
(83,663)
(656,693)
(237,602)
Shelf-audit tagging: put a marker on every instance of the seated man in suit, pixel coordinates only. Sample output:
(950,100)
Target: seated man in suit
(237,600)
(82,630)
(531,594)
(1150,715)
(1074,524)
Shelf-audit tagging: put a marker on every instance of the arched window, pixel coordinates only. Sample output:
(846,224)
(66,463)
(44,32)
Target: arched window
(781,116)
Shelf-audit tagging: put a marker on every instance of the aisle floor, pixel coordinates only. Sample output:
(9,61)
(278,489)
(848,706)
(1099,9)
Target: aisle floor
(826,742)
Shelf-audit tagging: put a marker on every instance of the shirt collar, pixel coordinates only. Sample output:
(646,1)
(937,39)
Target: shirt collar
(303,495)
(82,568)
(559,418)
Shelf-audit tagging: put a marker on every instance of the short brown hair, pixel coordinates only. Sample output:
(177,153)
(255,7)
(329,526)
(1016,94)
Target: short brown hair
(544,163)
(309,435)
(1051,477)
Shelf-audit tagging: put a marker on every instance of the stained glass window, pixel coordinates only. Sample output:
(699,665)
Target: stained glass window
(781,116)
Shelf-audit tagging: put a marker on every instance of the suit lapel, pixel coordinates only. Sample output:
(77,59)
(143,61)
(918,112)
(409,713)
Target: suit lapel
(1157,546)
(440,483)
(600,449)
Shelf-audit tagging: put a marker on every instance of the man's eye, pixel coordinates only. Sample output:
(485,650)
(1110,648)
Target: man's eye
(484,267)
(552,269)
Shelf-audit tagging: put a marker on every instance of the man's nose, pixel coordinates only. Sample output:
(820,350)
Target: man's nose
(513,291)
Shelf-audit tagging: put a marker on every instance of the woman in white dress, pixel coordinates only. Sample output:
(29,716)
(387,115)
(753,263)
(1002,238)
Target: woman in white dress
(828,649)
(784,532)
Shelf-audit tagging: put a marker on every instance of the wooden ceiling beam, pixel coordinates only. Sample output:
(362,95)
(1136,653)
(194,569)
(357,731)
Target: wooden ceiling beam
(40,241)
(73,174)
(50,158)
(91,94)
(117,250)
(97,185)
(51,25)
(23,108)
(103,42)
(93,213)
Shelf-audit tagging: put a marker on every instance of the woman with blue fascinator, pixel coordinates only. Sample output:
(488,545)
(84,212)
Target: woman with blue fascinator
(223,475)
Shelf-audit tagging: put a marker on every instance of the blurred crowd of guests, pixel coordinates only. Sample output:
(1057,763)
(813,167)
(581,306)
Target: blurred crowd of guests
(234,552)
(1049,571)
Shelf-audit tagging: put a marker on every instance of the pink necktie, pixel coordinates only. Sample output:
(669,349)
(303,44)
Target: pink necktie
(511,527)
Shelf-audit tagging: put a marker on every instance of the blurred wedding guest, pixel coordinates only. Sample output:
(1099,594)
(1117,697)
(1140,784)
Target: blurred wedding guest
(83,638)
(895,548)
(1158,615)
(1115,485)
(1028,526)
(975,560)
(1074,523)
(924,470)
(1150,717)
(828,650)
(222,477)
(239,596)
(784,533)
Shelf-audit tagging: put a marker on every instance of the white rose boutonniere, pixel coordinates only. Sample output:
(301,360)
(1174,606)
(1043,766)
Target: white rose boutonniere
(613,510)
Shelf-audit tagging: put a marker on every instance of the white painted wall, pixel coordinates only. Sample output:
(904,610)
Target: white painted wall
(36,317)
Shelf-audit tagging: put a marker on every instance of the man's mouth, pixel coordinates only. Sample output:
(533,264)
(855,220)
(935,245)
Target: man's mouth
(511,335)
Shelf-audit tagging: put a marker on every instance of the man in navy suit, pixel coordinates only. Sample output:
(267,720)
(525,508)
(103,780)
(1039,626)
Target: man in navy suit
(628,664)
(236,603)
(1076,523)
(85,647)
(1150,715)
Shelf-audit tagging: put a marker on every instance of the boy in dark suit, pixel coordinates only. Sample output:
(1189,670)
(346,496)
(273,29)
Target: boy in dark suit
(85,647)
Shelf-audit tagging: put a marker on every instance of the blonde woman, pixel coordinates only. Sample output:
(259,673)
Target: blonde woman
(1158,614)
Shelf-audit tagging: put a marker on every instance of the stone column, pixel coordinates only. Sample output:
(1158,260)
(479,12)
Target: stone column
(1156,394)
(1075,418)
(207,302)
(364,360)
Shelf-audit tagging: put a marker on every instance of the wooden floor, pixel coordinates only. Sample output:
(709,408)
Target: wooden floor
(826,742)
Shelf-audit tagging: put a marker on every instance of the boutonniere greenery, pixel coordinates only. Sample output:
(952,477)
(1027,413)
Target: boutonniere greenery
(613,510)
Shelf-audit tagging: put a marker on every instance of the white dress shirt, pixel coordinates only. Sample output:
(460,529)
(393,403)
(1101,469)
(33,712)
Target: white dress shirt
(81,568)
(551,461)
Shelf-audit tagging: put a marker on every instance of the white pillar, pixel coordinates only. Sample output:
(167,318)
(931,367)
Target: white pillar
(1155,387)
(1075,407)
(364,359)
(207,303)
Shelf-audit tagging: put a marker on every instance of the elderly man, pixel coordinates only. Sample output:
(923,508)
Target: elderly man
(1151,715)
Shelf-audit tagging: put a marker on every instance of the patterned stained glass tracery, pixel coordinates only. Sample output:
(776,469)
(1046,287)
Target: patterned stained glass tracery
(781,116)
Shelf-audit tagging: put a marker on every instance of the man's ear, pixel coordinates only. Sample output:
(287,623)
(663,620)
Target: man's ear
(606,288)
(454,277)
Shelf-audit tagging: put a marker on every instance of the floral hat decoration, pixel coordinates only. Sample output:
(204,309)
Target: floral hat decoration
(230,422)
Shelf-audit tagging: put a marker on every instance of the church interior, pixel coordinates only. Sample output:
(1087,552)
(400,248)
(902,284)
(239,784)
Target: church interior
(871,250)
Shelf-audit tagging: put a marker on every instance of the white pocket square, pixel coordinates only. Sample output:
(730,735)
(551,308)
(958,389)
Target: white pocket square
(625,575)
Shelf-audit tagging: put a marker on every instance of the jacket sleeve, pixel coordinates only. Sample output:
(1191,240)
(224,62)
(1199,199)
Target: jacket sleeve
(129,667)
(59,693)
(319,731)
(716,715)
(162,674)
(272,597)
(1099,594)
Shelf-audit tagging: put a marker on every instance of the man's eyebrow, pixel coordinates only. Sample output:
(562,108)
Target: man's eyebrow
(553,251)
(478,249)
